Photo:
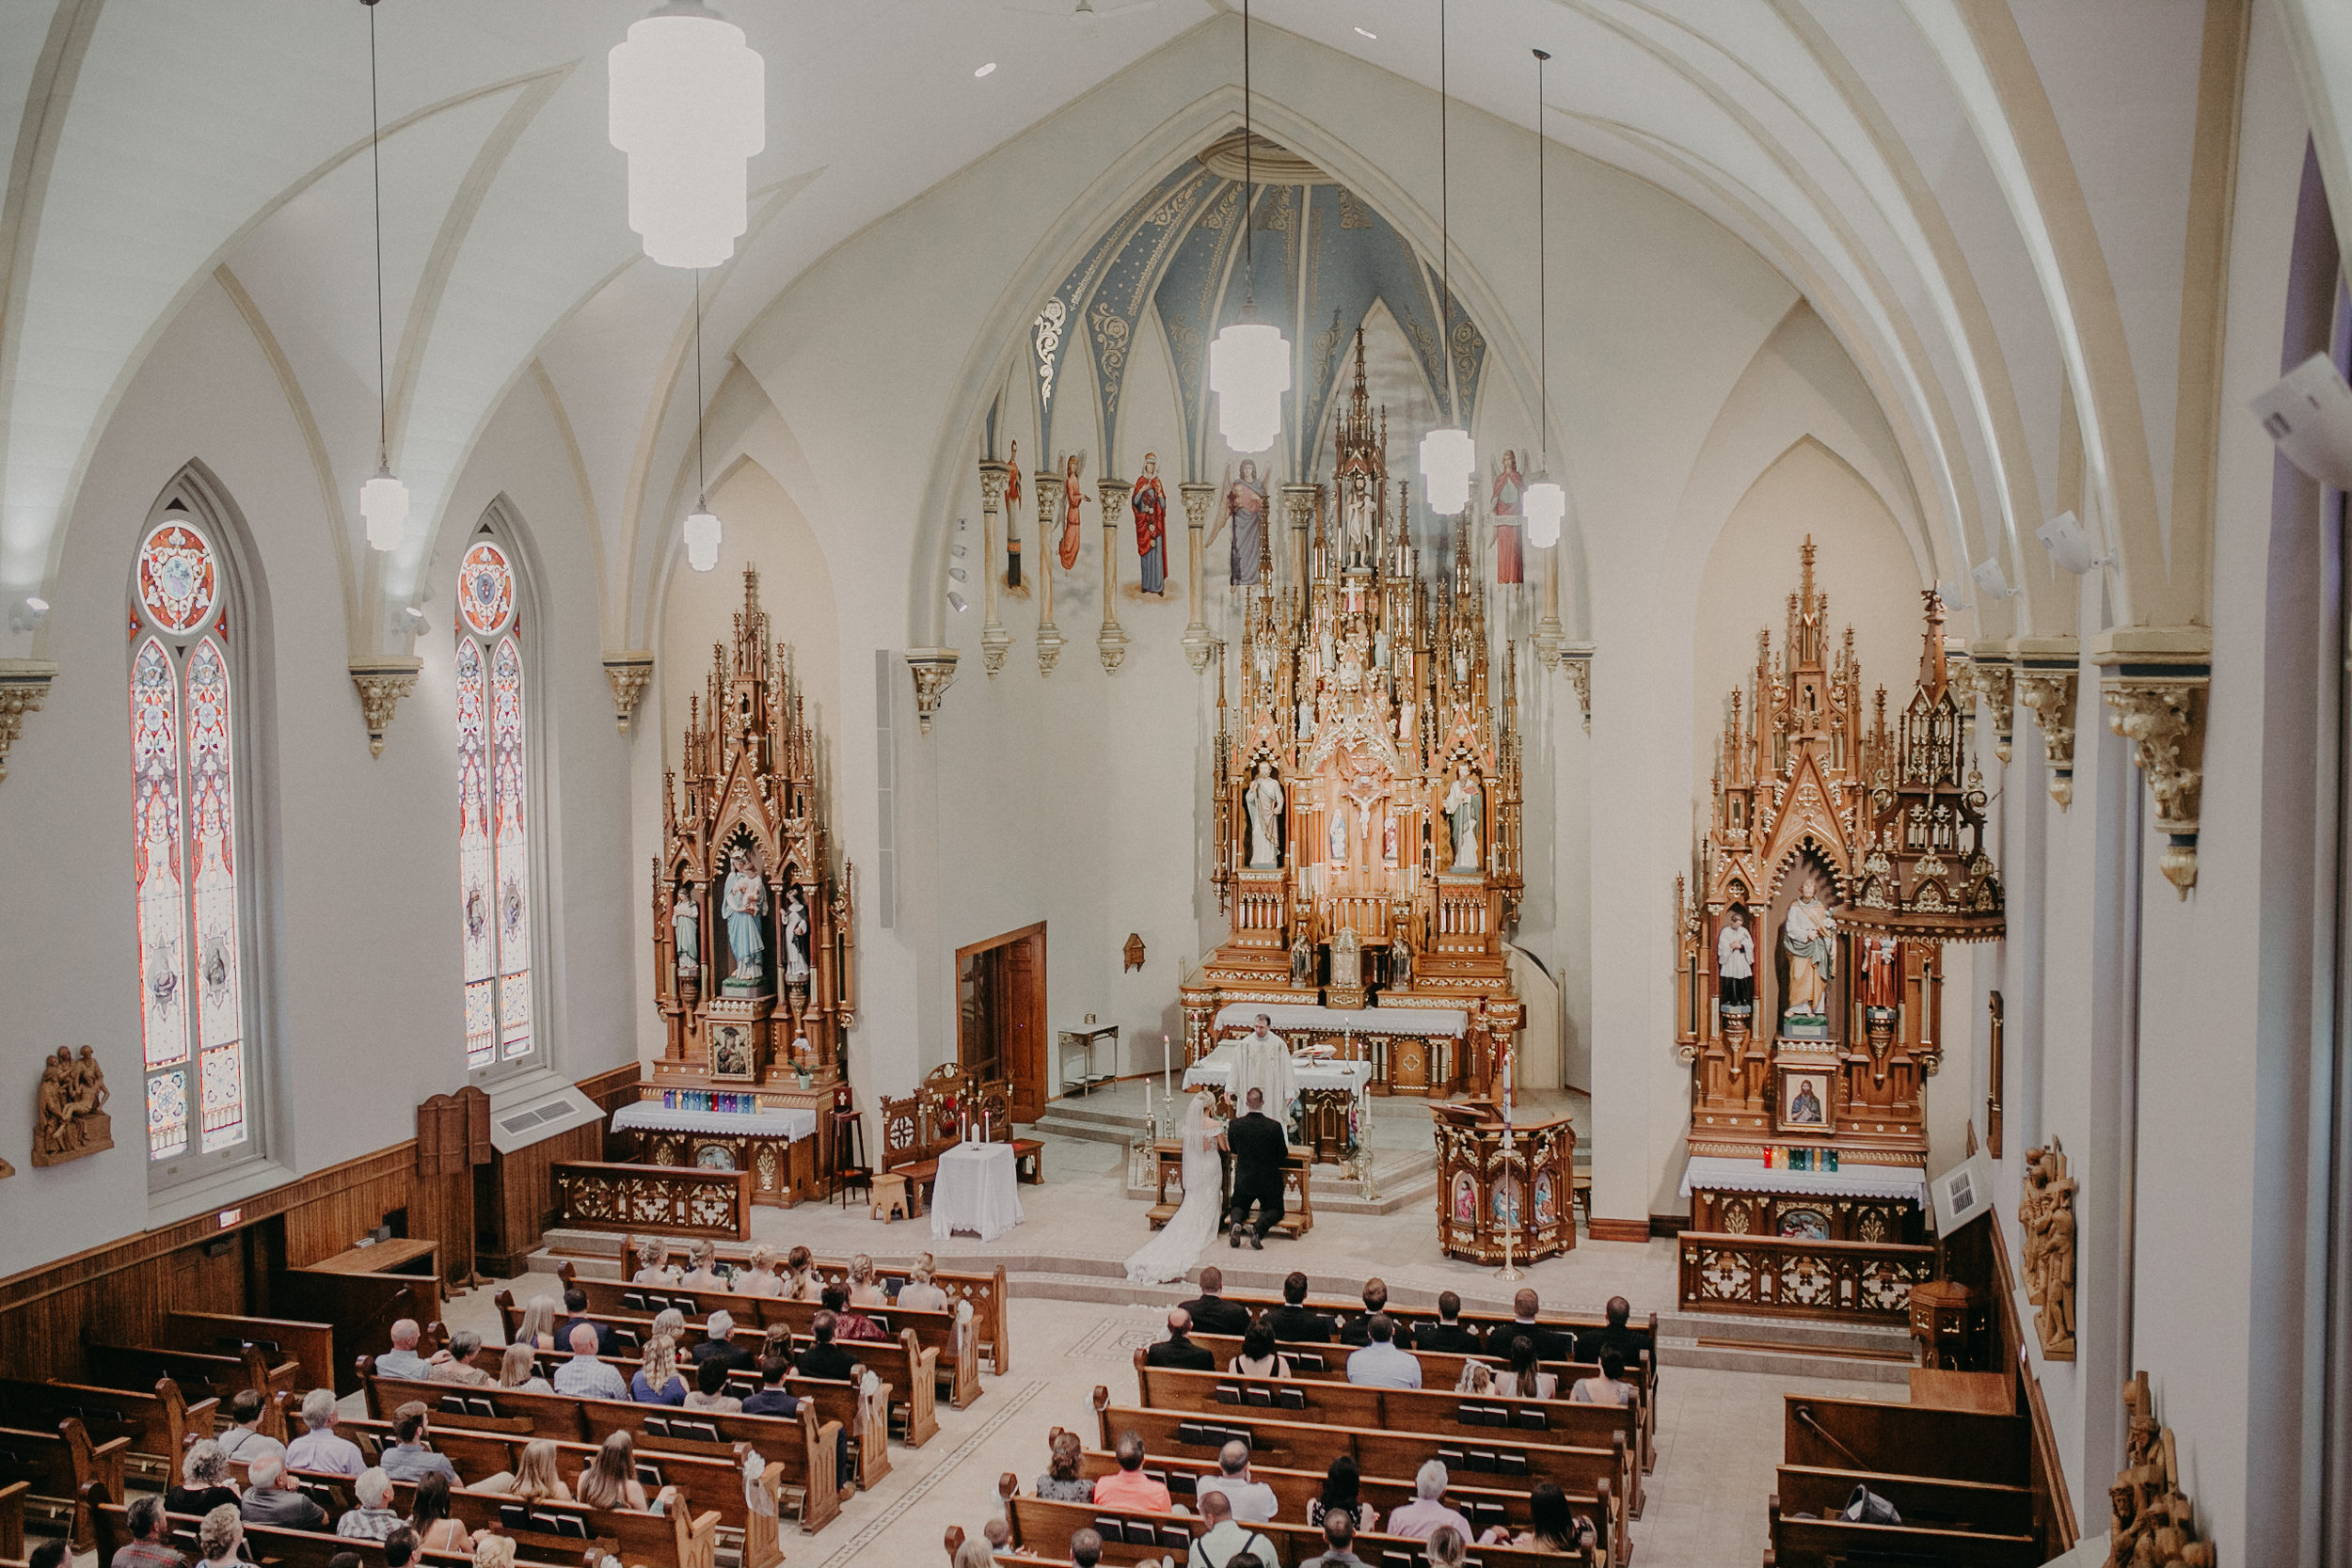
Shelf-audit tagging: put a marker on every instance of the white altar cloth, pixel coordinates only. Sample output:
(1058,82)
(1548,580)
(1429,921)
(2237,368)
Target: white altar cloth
(1283,1016)
(646,1115)
(1718,1174)
(973,1191)
(1307,1072)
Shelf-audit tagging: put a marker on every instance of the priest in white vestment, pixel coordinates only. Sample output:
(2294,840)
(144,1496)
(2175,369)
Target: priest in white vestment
(1262,1060)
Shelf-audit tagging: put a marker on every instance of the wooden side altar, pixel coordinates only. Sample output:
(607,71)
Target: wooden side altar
(1498,1182)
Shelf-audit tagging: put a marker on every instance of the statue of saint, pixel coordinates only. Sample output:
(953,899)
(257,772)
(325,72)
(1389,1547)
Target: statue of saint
(1400,964)
(1336,835)
(1263,801)
(1302,956)
(1465,804)
(1735,961)
(1013,515)
(1881,972)
(1347,959)
(744,904)
(686,929)
(1505,506)
(1306,717)
(795,939)
(1806,931)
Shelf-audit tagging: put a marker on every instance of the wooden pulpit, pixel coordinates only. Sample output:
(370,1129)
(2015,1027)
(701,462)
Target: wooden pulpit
(1491,1191)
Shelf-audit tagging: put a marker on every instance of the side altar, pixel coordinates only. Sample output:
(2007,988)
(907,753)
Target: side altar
(1367,796)
(755,958)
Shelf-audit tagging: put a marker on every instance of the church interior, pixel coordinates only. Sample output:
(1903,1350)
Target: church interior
(1152,866)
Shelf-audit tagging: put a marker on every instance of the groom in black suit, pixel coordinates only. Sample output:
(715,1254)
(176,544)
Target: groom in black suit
(1258,1146)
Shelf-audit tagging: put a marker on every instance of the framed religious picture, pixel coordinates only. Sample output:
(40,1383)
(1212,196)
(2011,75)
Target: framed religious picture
(1804,1100)
(730,1051)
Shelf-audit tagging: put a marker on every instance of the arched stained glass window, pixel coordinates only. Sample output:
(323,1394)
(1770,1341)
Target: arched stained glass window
(494,813)
(185,838)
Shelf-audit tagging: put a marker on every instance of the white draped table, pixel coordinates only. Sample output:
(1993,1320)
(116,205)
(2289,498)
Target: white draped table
(646,1115)
(1717,1174)
(974,1191)
(1308,1072)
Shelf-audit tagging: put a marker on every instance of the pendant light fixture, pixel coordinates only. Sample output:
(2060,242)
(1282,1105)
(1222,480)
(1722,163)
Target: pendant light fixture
(1544,502)
(1448,456)
(1249,364)
(688,102)
(702,524)
(383,501)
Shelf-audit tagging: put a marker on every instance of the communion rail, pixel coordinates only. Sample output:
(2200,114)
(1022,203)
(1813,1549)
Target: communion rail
(673,1201)
(1858,1282)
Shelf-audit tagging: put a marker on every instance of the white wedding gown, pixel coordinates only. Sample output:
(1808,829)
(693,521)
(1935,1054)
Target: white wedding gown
(1170,1255)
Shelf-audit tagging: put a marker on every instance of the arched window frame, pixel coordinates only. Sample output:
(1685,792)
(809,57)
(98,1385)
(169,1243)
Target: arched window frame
(219,1025)
(517,1043)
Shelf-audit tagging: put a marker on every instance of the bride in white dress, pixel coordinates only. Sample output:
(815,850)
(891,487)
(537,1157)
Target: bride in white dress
(1170,1255)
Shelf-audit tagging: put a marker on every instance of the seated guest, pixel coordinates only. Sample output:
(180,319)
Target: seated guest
(576,1313)
(1525,1380)
(518,1369)
(273,1496)
(1449,1333)
(865,1290)
(705,1274)
(151,1538)
(535,1478)
(371,1520)
(204,1484)
(1343,1492)
(435,1531)
(1339,1542)
(1447,1547)
(801,1282)
(1478,1377)
(1610,1387)
(1380,1364)
(1427,1510)
(609,1480)
(759,1277)
(1550,1344)
(1085,1548)
(1177,1350)
(653,1267)
(849,1322)
(1253,1501)
(538,1324)
(220,1536)
(456,1364)
(411,1458)
(824,1359)
(49,1553)
(1211,1312)
(1548,1527)
(319,1448)
(1356,1330)
(242,1443)
(400,1548)
(585,1376)
(719,1345)
(776,1340)
(1258,1357)
(1292,1322)
(401,1361)
(710,1390)
(973,1552)
(921,1292)
(772,1399)
(1226,1543)
(490,1551)
(657,1380)
(1061,1482)
(1627,1342)
(1130,1487)
(345,1558)
(671,1322)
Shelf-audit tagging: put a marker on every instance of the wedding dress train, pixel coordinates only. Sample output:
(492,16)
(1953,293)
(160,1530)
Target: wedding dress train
(1170,1255)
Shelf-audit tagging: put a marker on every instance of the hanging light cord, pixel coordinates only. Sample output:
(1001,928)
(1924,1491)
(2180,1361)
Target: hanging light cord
(1248,173)
(1445,231)
(702,479)
(375,157)
(1542,282)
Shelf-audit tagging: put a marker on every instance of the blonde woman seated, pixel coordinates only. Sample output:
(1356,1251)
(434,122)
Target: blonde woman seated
(710,1389)
(801,1282)
(657,1380)
(705,1274)
(671,1322)
(1258,1357)
(534,1478)
(519,1368)
(493,1551)
(609,1480)
(920,1293)
(1446,1548)
(1524,1381)
(653,1264)
(758,1277)
(1610,1387)
(865,1290)
(1477,1378)
(538,1325)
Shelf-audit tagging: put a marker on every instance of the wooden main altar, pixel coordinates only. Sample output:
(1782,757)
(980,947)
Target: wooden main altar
(1367,789)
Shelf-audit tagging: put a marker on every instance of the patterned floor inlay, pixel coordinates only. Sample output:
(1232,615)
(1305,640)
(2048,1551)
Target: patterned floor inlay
(1115,1339)
(940,1472)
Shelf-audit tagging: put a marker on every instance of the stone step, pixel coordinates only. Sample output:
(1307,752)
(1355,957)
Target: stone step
(1083,1110)
(1797,1335)
(1103,1127)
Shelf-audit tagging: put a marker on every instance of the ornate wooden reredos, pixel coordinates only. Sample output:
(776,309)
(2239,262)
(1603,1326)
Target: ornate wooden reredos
(1368,780)
(1887,826)
(750,802)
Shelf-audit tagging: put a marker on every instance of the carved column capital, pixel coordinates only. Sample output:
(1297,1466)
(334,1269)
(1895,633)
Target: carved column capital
(629,673)
(1993,677)
(994,639)
(24,687)
(1199,644)
(1576,662)
(934,672)
(2162,713)
(383,681)
(2051,695)
(1111,641)
(992,471)
(1049,637)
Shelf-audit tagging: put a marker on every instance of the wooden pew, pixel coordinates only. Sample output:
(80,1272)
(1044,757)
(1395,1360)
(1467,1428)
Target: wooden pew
(1339,1307)
(1463,1417)
(985,1292)
(202,1373)
(1046,1527)
(1502,1463)
(804,1448)
(1441,1370)
(13,1520)
(682,1538)
(157,1421)
(1836,1543)
(1904,1440)
(57,1465)
(309,1346)
(1294,1489)
(282,1548)
(1923,1500)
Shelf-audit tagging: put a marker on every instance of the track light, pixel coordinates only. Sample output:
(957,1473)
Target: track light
(2309,413)
(28,613)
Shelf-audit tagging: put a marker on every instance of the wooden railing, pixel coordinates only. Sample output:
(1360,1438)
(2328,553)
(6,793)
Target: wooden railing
(1863,1282)
(673,1201)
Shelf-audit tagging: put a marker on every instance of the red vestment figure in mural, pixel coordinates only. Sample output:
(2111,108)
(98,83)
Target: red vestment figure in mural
(1505,508)
(1074,496)
(1149,501)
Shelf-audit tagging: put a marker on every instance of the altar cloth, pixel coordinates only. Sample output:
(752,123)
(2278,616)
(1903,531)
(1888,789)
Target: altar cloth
(1718,1174)
(646,1115)
(1331,1021)
(1307,1072)
(973,1191)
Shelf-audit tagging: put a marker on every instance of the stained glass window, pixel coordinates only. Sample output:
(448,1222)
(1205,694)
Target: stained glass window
(493,809)
(183,844)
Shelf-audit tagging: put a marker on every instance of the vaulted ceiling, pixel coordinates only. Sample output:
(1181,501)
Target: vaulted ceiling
(2009,216)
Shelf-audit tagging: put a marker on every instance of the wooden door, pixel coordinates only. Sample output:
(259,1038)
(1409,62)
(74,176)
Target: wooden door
(1000,1014)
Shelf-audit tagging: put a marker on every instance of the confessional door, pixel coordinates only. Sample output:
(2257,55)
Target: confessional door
(1000,1014)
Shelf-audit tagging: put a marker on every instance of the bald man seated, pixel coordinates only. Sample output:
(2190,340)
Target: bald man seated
(1177,1350)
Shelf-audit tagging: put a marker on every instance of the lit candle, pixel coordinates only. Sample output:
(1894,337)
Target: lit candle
(1167,1072)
